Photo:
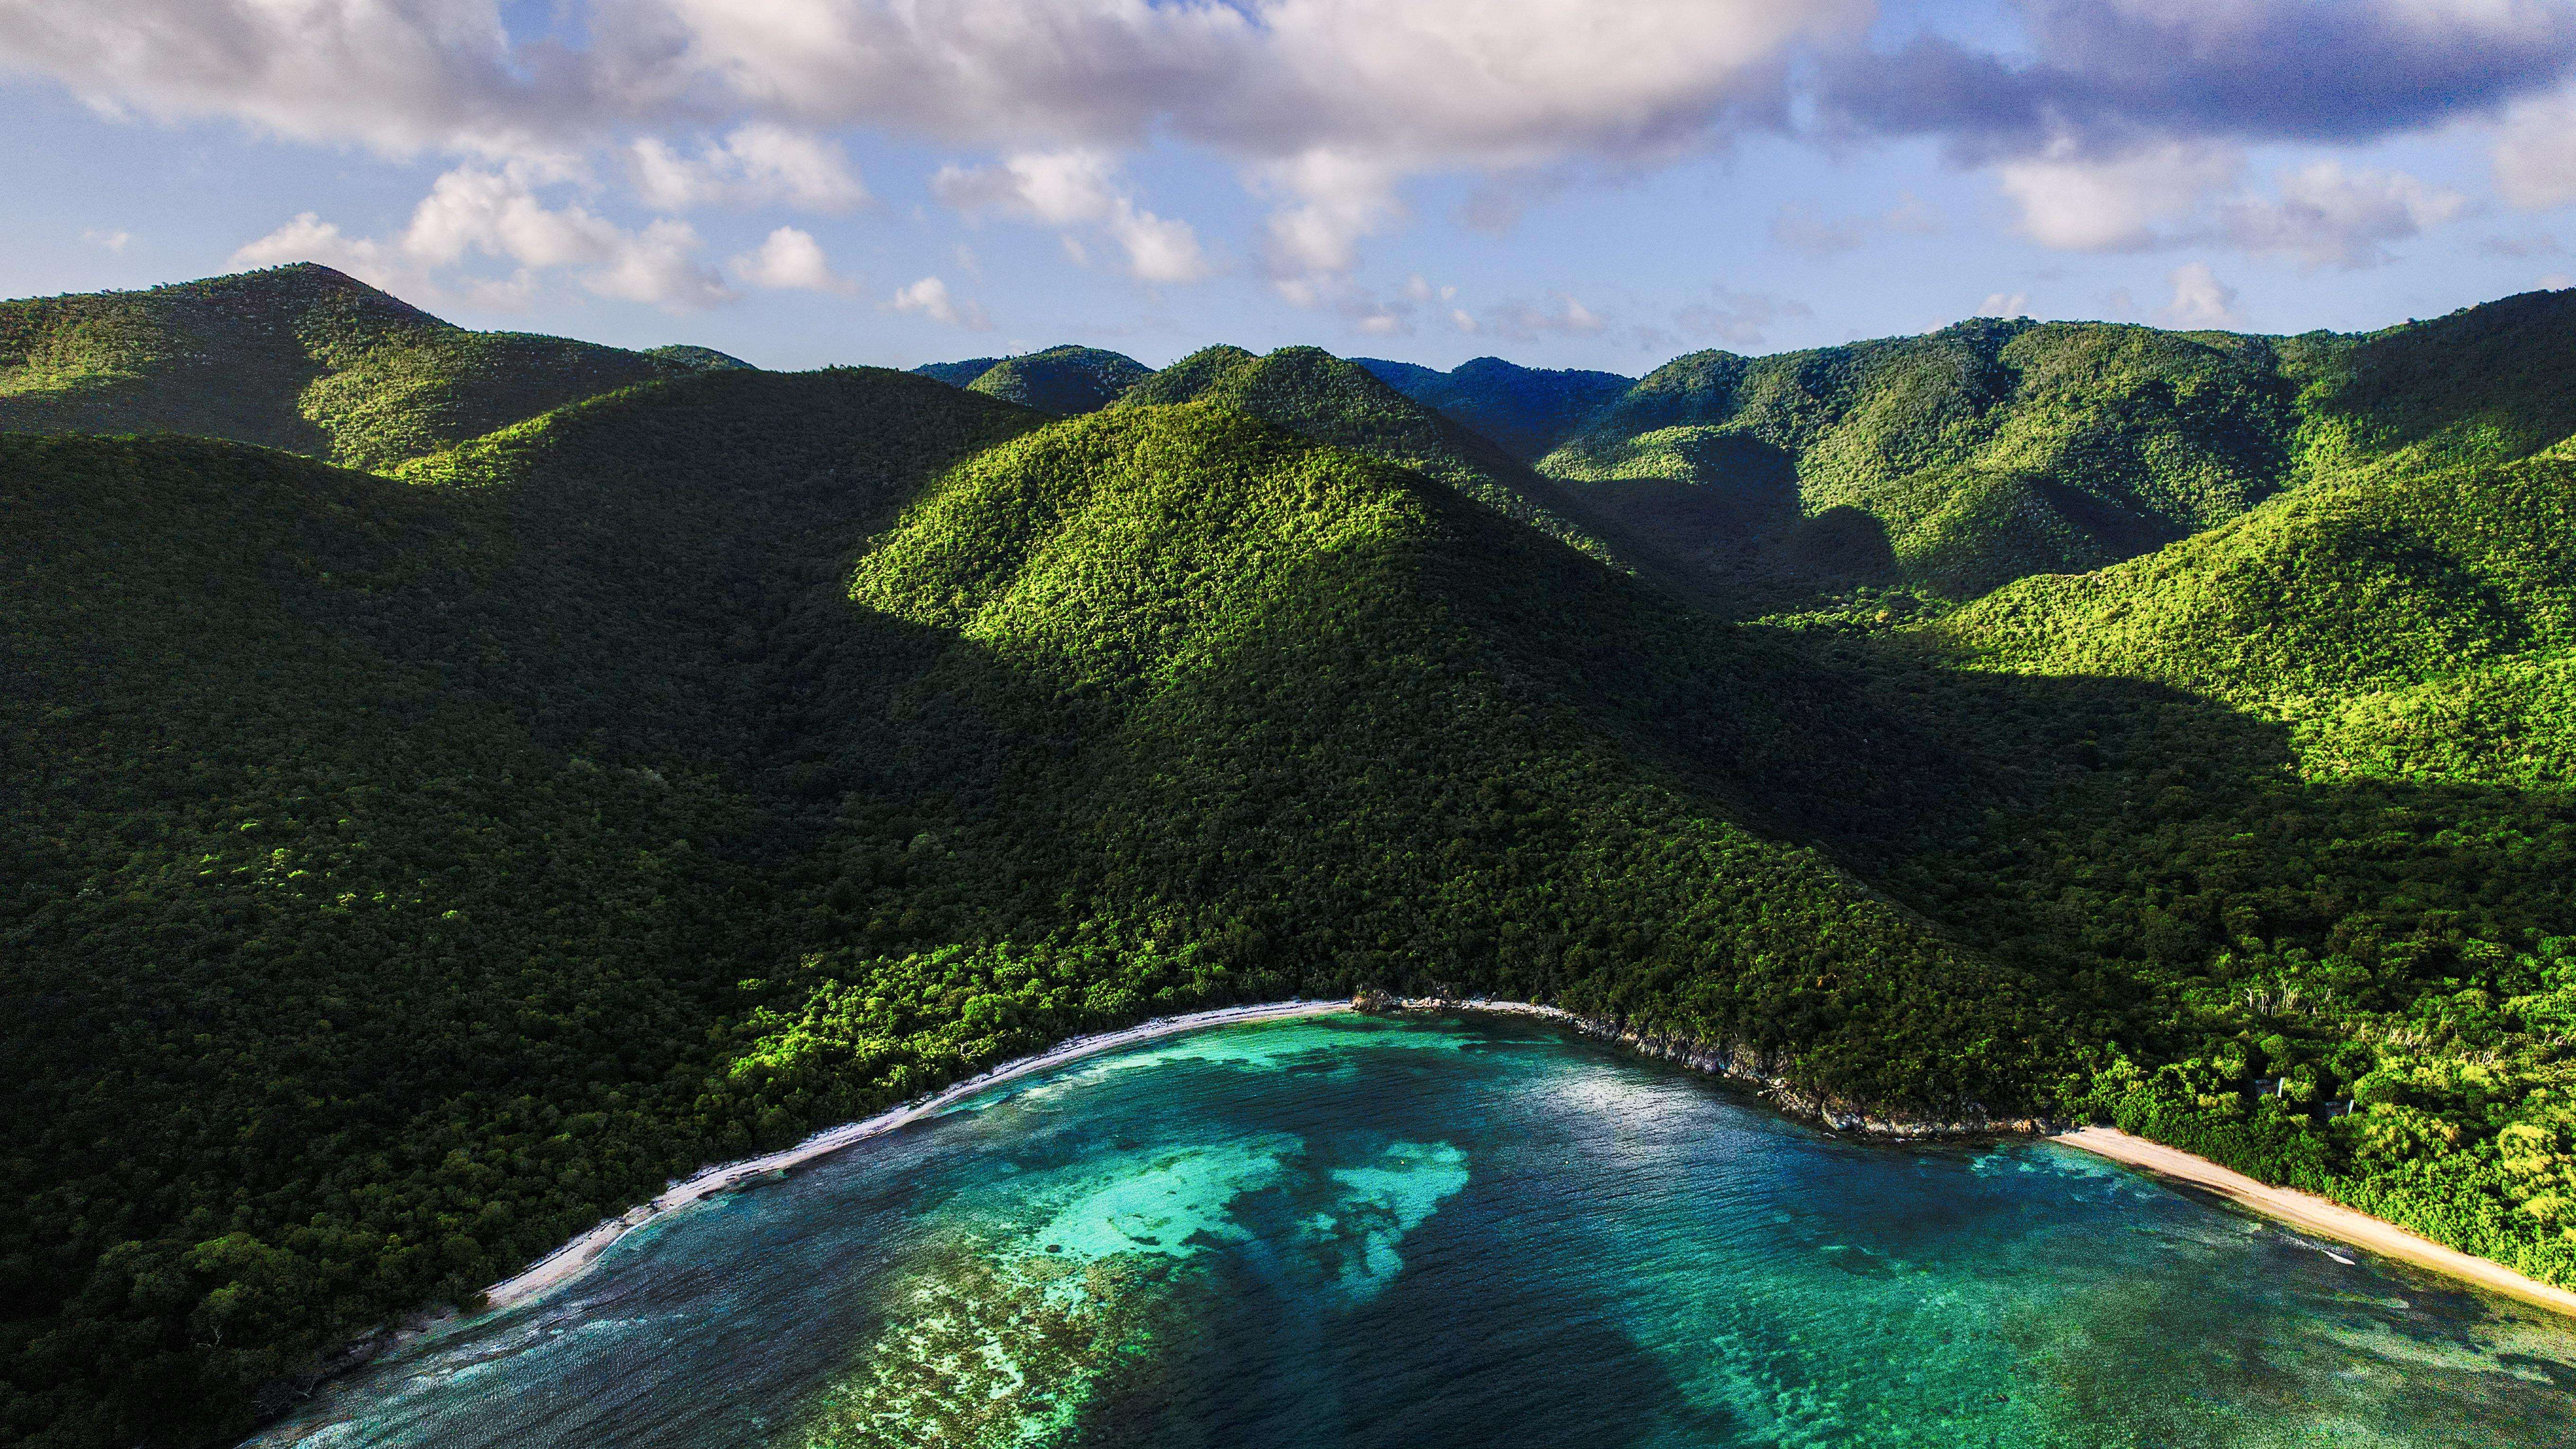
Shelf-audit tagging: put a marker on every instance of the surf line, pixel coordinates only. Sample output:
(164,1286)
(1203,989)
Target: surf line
(576,1257)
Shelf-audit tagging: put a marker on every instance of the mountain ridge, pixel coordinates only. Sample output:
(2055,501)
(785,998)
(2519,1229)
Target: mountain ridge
(411,865)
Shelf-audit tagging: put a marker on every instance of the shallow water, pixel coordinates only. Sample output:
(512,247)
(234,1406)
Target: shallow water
(1341,1231)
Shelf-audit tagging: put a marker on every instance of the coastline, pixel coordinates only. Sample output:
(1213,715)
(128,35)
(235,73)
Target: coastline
(2318,1215)
(2299,1209)
(576,1257)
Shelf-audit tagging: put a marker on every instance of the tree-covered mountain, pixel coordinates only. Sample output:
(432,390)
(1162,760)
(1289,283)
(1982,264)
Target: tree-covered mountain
(1979,453)
(1065,380)
(298,357)
(1993,450)
(416,868)
(957,374)
(1528,410)
(405,869)
(1316,395)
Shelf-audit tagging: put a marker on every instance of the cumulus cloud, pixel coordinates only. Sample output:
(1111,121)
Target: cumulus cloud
(2329,216)
(114,241)
(1331,104)
(308,238)
(790,260)
(1738,319)
(2111,120)
(2535,153)
(1077,188)
(2004,304)
(495,212)
(929,298)
(1420,82)
(756,165)
(2076,202)
(2112,75)
(2200,300)
(398,75)
(2181,193)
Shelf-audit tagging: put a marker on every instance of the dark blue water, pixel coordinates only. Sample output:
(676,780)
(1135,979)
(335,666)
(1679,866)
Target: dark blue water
(1349,1232)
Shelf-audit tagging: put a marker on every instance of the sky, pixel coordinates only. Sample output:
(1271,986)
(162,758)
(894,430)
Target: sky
(1565,183)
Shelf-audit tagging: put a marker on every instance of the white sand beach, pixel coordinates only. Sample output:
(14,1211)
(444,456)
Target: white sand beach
(2317,1215)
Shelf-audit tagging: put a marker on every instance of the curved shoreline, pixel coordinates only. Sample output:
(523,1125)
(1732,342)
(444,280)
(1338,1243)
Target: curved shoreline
(2300,1209)
(576,1257)
(2318,1215)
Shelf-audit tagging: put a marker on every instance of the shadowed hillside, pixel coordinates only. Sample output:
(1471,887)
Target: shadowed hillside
(1527,410)
(1062,380)
(300,358)
(1993,450)
(1981,452)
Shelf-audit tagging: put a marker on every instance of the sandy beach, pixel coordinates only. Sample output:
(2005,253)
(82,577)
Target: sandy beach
(2317,1215)
(574,1258)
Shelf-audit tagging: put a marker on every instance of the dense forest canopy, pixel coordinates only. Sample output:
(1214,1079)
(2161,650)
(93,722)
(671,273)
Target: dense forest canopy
(458,782)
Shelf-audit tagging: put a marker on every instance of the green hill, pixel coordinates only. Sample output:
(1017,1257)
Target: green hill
(2418,624)
(405,870)
(415,869)
(698,359)
(1316,395)
(957,374)
(299,357)
(1064,380)
(2412,608)
(1528,410)
(1992,450)
(1981,452)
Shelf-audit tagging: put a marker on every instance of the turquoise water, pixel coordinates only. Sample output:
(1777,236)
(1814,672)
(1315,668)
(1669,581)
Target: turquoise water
(1350,1232)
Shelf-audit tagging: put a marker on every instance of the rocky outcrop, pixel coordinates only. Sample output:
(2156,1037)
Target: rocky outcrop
(1762,1072)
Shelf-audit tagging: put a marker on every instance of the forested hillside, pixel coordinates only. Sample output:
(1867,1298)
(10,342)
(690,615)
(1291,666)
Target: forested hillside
(299,357)
(1062,380)
(407,868)
(1991,450)
(1979,453)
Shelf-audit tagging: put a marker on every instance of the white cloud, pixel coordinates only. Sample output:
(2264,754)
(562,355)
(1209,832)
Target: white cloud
(2185,193)
(1421,82)
(1077,188)
(1331,104)
(929,297)
(478,211)
(2200,300)
(398,75)
(659,265)
(2535,153)
(790,260)
(757,165)
(114,241)
(2076,202)
(2004,304)
(2557,281)
(308,238)
(2328,216)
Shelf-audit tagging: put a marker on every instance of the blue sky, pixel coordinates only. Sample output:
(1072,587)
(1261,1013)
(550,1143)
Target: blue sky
(1567,183)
